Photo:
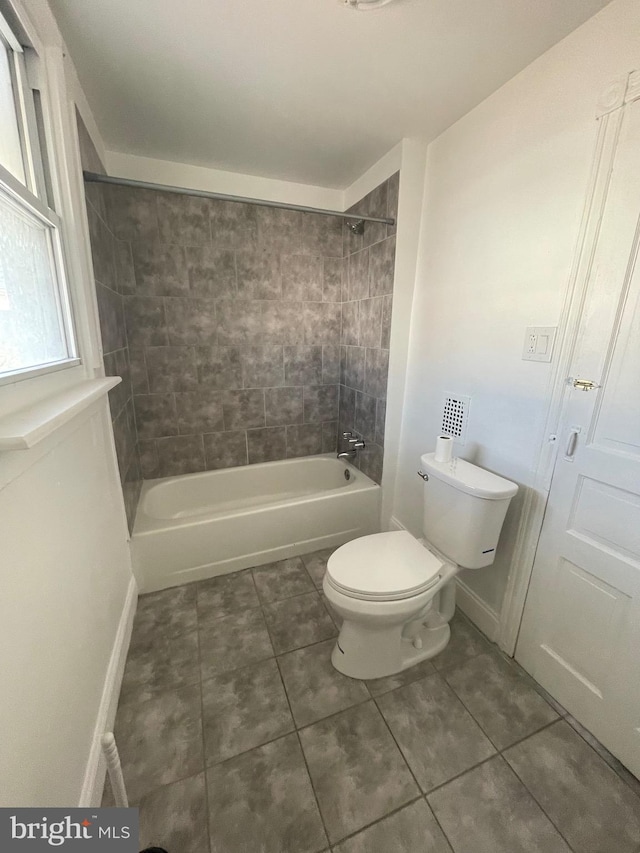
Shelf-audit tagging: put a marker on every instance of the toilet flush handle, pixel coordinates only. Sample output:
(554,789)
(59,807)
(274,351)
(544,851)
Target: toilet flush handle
(424,476)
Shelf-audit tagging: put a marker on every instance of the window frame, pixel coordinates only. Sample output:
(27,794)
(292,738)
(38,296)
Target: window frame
(34,196)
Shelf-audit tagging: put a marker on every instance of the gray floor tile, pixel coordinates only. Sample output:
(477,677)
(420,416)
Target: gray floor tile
(297,622)
(591,806)
(243,709)
(378,686)
(316,564)
(159,664)
(224,595)
(357,770)
(557,707)
(175,817)
(504,704)
(489,811)
(262,802)
(234,641)
(168,613)
(437,735)
(160,741)
(626,775)
(314,687)
(275,581)
(466,642)
(411,830)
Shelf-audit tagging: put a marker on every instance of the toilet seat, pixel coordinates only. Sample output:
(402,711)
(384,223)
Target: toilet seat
(383,567)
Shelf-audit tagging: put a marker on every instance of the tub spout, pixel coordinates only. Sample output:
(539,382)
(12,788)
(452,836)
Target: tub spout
(353,444)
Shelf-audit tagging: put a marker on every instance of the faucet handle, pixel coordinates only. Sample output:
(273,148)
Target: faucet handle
(357,444)
(347,434)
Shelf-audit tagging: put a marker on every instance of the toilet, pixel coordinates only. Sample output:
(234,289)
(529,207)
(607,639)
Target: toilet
(395,592)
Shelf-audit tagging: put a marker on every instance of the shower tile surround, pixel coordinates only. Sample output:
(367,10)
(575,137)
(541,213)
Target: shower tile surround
(113,274)
(367,299)
(234,326)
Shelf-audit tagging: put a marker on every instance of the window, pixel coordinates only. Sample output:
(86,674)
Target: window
(36,330)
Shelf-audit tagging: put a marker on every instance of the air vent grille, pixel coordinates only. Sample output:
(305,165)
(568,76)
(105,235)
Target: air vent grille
(455,416)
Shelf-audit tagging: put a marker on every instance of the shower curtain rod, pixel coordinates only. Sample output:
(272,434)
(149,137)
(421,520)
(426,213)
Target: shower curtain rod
(95,177)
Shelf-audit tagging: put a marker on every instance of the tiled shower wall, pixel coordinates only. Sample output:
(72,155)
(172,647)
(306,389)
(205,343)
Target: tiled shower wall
(248,331)
(233,326)
(113,273)
(366,325)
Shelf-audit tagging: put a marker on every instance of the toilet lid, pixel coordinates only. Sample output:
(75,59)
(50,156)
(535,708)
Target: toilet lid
(384,566)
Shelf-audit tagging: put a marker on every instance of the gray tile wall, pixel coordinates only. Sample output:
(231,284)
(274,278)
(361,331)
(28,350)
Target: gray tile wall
(113,273)
(233,323)
(366,322)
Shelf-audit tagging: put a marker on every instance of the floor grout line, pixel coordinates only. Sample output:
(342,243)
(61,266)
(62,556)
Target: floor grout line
(422,794)
(304,757)
(536,801)
(378,820)
(490,648)
(627,782)
(204,742)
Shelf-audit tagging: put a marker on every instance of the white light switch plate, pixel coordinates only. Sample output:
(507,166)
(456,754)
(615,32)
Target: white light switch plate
(538,343)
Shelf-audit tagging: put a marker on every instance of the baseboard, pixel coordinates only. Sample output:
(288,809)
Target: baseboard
(478,611)
(94,777)
(394,524)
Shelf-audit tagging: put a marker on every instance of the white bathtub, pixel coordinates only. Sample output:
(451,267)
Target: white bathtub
(202,525)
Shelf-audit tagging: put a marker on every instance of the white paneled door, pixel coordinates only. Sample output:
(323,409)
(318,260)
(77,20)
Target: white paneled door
(580,635)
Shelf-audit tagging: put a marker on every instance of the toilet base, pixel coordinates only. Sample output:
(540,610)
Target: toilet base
(365,654)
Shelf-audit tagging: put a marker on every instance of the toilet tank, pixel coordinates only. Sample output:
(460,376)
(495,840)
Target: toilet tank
(464,509)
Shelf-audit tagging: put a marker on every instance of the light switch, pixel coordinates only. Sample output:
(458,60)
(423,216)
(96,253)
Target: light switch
(538,343)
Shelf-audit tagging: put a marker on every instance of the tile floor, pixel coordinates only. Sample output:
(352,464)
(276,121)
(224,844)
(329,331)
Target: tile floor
(238,736)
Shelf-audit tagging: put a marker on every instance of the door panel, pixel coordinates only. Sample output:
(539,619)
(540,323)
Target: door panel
(580,634)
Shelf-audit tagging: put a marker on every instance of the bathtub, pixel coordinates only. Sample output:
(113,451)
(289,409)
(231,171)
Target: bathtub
(202,525)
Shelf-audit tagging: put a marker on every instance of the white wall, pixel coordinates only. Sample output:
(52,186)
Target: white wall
(68,593)
(219,181)
(65,578)
(503,200)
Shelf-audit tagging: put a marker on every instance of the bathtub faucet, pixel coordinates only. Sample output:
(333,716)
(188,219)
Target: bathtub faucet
(353,444)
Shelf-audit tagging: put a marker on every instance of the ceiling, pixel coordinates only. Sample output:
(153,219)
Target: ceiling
(303,90)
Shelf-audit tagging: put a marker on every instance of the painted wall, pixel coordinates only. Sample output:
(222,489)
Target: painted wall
(220,181)
(503,202)
(65,576)
(367,304)
(64,563)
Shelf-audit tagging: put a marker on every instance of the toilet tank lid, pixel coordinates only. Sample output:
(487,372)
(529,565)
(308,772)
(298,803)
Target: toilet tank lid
(469,478)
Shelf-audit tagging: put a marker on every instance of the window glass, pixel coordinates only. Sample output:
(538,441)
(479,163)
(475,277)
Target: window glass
(31,320)
(10,148)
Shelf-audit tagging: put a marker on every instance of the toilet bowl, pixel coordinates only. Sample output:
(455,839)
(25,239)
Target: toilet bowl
(394,592)
(383,587)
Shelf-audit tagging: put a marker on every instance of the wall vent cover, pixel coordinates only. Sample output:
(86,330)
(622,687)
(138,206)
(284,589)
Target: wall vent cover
(455,416)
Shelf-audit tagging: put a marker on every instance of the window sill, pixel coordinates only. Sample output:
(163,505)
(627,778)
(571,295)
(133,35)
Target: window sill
(25,428)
